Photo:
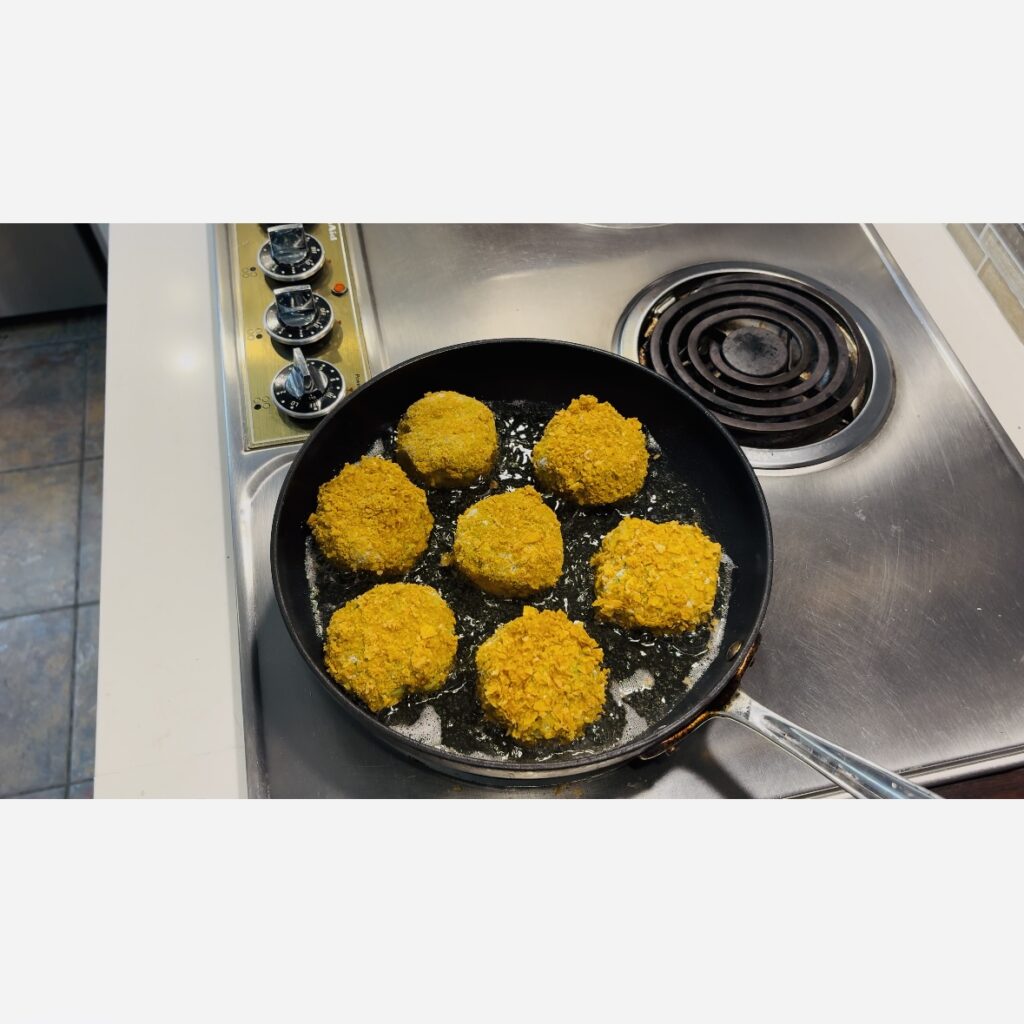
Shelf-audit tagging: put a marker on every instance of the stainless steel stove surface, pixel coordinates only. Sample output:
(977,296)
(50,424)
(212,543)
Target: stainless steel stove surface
(896,624)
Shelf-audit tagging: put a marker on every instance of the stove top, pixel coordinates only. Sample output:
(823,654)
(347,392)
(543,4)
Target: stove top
(895,626)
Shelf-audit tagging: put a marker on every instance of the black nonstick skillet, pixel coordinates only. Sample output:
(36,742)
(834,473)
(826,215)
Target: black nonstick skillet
(698,473)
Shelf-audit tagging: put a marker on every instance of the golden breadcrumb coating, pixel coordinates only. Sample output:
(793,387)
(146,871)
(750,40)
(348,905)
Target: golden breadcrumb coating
(394,639)
(591,454)
(541,677)
(509,544)
(662,576)
(447,439)
(372,517)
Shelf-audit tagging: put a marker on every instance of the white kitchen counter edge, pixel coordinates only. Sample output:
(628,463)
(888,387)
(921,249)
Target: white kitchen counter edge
(169,699)
(169,718)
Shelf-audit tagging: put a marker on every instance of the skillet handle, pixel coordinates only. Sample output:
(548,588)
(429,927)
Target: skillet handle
(857,776)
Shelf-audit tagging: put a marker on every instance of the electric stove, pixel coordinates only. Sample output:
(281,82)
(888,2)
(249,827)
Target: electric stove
(896,625)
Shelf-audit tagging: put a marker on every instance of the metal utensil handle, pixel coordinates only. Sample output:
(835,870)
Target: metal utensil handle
(855,775)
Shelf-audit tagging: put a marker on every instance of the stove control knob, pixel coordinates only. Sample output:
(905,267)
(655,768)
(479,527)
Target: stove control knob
(288,243)
(290,254)
(298,316)
(307,389)
(296,305)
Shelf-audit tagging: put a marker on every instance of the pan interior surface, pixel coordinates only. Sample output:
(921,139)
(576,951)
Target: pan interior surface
(655,682)
(646,672)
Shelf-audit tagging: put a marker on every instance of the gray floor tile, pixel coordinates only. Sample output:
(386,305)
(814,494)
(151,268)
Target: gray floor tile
(41,414)
(89,531)
(83,721)
(38,538)
(57,793)
(81,790)
(35,700)
(95,385)
(77,327)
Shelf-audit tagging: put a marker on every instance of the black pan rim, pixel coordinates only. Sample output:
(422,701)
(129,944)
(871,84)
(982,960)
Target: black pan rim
(486,770)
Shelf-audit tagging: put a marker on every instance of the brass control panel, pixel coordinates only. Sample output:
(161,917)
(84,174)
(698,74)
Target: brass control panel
(261,358)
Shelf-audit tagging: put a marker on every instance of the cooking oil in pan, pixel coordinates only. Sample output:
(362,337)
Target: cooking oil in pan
(647,672)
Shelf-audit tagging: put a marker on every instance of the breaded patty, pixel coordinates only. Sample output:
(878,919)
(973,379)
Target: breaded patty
(394,639)
(509,544)
(447,439)
(591,454)
(541,677)
(371,517)
(662,576)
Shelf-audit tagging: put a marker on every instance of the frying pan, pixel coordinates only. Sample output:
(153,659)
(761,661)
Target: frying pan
(693,447)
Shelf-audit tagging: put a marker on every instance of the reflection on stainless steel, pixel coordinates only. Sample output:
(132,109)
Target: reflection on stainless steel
(896,625)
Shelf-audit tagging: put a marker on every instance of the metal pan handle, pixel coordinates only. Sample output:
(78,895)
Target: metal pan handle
(853,773)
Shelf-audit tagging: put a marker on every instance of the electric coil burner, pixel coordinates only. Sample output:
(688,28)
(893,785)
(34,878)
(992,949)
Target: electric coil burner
(796,374)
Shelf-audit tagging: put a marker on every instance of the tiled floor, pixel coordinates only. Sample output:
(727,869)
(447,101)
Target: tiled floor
(51,480)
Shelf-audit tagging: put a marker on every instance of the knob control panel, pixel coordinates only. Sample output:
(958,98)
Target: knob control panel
(296,298)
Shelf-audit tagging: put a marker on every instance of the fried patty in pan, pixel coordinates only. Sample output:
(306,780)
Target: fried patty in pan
(509,544)
(447,439)
(591,454)
(395,639)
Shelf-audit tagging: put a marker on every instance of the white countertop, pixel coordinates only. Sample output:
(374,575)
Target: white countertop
(169,720)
